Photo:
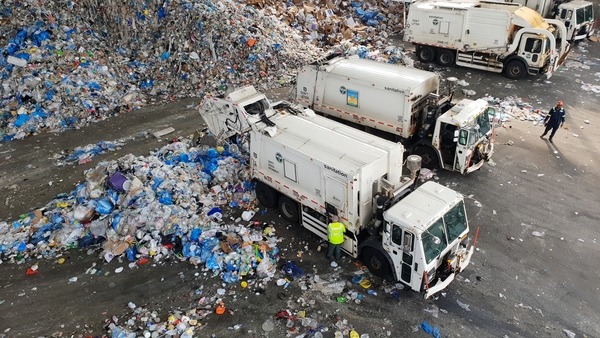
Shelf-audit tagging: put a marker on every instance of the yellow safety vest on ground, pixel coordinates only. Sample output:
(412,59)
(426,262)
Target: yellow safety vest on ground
(336,233)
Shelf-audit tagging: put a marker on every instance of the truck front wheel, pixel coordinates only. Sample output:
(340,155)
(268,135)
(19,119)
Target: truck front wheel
(515,70)
(266,195)
(288,208)
(376,263)
(429,158)
(445,57)
(425,53)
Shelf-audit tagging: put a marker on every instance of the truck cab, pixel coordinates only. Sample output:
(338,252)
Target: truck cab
(578,17)
(463,136)
(425,238)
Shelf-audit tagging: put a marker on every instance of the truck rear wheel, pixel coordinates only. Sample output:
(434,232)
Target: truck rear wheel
(266,195)
(376,263)
(425,53)
(288,208)
(515,70)
(445,57)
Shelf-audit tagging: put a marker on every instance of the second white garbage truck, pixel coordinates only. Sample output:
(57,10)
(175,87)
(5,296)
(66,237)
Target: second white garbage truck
(492,36)
(312,168)
(402,104)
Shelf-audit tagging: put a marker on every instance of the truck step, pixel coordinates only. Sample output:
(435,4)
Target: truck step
(479,61)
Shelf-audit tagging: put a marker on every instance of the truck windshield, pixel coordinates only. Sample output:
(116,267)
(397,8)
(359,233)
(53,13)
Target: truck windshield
(447,229)
(470,135)
(483,121)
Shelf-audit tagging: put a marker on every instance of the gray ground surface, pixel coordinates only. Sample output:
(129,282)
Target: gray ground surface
(518,285)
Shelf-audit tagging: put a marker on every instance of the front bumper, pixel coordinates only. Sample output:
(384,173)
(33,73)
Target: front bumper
(463,262)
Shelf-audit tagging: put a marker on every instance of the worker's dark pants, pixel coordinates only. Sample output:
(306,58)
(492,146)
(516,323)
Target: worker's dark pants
(554,129)
(334,248)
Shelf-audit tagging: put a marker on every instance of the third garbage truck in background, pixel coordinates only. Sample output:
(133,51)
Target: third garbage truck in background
(313,168)
(577,15)
(493,36)
(402,104)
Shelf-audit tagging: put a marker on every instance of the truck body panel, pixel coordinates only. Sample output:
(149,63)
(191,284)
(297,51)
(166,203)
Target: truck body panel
(351,88)
(318,166)
(401,102)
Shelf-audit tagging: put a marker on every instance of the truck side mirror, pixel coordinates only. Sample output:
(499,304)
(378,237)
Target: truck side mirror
(491,112)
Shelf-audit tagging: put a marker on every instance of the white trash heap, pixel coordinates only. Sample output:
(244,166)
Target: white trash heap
(65,64)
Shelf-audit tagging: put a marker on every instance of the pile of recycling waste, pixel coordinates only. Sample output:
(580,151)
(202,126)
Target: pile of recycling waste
(149,208)
(66,64)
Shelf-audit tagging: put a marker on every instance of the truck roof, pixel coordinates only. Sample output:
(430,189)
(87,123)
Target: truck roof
(339,146)
(423,206)
(575,4)
(384,74)
(464,111)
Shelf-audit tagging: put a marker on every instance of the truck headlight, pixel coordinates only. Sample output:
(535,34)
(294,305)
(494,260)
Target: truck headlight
(430,276)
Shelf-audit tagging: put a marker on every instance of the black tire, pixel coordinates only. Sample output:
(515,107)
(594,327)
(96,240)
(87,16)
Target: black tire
(425,53)
(515,70)
(445,57)
(266,195)
(288,208)
(429,157)
(376,263)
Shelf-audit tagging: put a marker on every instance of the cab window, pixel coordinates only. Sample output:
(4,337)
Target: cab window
(462,137)
(397,235)
(533,45)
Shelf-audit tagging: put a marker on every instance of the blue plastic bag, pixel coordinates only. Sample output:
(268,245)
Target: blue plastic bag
(195,234)
(21,120)
(426,327)
(104,206)
(292,270)
(116,220)
(214,211)
(213,263)
(233,266)
(436,333)
(230,277)
(165,197)
(157,181)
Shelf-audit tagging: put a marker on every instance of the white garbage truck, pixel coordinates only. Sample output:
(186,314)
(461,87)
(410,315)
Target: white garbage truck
(402,104)
(492,36)
(313,168)
(577,15)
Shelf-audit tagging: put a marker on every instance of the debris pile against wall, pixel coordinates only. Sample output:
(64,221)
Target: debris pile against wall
(65,64)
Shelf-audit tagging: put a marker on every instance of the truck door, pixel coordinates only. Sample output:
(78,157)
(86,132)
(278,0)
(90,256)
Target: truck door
(401,250)
(531,50)
(335,193)
(448,145)
(466,140)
